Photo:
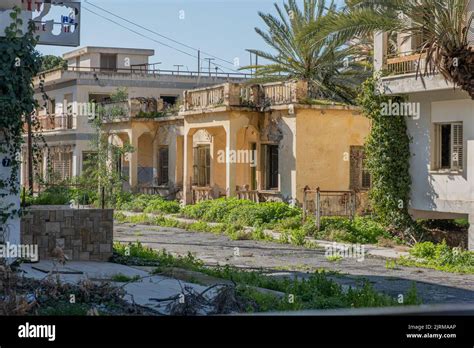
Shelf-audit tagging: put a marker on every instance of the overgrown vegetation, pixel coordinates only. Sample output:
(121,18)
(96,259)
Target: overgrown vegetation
(440,257)
(19,64)
(316,292)
(147,204)
(387,158)
(54,195)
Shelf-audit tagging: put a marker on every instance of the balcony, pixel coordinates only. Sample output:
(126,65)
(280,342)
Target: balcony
(135,108)
(50,123)
(239,95)
(405,63)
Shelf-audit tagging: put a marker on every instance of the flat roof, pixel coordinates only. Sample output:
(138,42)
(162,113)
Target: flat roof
(111,50)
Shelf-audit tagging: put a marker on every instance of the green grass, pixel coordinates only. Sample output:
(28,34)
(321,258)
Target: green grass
(316,292)
(122,278)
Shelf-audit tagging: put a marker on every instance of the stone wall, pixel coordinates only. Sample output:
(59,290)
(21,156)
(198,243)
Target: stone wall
(83,234)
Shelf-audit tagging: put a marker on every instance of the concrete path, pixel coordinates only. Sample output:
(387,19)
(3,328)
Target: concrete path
(286,260)
(138,291)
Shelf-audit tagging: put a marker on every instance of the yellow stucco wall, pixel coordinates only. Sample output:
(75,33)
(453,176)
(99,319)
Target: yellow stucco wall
(323,140)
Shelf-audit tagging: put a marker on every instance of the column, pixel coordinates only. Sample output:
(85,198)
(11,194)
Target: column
(188,166)
(133,160)
(230,166)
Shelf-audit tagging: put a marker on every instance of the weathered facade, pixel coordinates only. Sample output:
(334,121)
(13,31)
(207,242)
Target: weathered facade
(259,142)
(92,75)
(441,126)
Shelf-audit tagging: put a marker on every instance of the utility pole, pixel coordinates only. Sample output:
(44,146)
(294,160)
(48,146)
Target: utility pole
(209,60)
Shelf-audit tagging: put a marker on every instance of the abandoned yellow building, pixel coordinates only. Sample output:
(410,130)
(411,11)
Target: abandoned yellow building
(260,142)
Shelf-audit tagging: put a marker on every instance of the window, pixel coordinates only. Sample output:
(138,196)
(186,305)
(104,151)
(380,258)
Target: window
(253,169)
(61,166)
(270,166)
(108,61)
(359,174)
(448,146)
(163,166)
(52,107)
(202,166)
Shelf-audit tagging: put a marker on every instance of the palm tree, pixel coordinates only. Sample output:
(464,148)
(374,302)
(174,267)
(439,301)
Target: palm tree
(443,27)
(332,71)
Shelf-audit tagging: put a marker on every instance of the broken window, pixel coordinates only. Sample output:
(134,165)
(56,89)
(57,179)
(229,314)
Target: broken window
(449,146)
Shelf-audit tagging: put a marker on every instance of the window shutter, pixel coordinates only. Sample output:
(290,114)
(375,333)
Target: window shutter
(355,168)
(164,166)
(457,147)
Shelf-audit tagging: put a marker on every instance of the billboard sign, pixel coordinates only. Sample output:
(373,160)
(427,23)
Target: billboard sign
(57,22)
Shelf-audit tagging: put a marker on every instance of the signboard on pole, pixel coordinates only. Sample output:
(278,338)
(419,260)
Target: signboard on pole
(57,22)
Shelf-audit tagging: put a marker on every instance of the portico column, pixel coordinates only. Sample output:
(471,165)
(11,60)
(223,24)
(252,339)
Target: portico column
(188,166)
(133,160)
(230,166)
(155,160)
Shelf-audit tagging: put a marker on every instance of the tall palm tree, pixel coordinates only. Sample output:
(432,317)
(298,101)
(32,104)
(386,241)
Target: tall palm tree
(331,70)
(442,25)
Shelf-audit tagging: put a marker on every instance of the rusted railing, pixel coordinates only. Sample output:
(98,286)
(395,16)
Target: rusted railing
(406,63)
(328,203)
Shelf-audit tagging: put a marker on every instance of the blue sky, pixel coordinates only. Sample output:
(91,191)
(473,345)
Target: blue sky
(224,28)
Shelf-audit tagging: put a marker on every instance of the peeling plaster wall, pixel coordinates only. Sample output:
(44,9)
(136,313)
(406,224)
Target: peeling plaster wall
(323,139)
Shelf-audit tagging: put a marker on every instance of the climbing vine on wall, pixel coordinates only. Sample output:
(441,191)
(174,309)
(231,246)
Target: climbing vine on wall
(388,155)
(19,63)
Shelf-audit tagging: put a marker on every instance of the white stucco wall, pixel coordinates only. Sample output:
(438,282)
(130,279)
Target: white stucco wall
(432,190)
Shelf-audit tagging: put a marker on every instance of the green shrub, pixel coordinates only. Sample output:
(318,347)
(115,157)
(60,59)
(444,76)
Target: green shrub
(147,203)
(242,212)
(54,195)
(362,230)
(440,256)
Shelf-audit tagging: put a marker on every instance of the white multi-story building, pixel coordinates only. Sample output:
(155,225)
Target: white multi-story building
(92,75)
(441,126)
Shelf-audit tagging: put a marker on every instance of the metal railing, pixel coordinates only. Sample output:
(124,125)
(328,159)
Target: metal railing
(328,203)
(150,70)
